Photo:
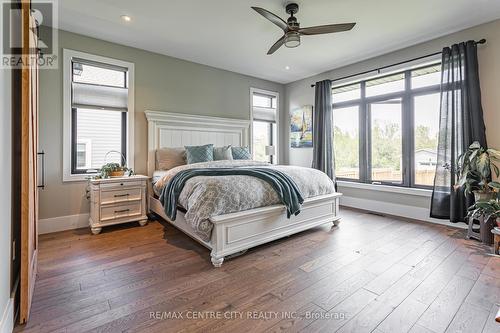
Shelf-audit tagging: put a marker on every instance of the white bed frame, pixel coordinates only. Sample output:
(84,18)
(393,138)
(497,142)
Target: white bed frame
(239,231)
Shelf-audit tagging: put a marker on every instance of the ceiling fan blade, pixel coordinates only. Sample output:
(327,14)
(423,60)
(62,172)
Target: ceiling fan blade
(271,17)
(277,45)
(326,29)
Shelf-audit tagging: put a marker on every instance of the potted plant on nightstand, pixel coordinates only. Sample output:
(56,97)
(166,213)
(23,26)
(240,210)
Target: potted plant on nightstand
(111,170)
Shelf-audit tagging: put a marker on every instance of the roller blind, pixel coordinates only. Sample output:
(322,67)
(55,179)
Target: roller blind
(264,114)
(99,86)
(264,107)
(92,96)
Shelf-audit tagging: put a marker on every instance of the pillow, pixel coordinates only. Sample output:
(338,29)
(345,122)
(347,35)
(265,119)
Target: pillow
(241,153)
(197,154)
(223,153)
(168,158)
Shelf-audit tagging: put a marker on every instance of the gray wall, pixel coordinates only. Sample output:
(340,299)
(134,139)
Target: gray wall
(161,83)
(300,93)
(5,192)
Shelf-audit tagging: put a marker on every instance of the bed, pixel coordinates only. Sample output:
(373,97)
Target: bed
(233,232)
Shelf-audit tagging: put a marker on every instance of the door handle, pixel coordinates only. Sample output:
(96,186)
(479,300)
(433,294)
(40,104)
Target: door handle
(42,154)
(122,211)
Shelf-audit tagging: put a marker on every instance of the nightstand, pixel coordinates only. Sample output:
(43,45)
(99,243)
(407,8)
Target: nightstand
(117,200)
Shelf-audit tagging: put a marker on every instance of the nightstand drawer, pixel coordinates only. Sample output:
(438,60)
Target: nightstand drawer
(123,195)
(119,211)
(119,184)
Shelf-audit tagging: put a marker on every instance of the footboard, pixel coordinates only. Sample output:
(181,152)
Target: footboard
(239,231)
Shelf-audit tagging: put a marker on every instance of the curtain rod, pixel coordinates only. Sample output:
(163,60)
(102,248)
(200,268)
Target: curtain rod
(481,41)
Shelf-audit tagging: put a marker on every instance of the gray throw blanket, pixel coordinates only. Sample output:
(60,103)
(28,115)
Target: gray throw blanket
(284,186)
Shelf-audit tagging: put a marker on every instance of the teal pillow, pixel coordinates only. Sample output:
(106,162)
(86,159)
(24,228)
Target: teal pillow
(241,153)
(223,153)
(197,154)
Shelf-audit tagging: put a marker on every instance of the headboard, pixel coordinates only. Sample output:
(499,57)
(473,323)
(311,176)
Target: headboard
(168,129)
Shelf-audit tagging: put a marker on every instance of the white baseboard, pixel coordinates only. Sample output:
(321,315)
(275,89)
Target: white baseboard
(405,211)
(7,321)
(61,223)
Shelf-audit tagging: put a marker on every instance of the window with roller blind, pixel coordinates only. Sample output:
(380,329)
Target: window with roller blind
(98,113)
(264,106)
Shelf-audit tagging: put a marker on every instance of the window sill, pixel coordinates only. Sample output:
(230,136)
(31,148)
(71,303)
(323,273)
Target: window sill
(386,188)
(77,177)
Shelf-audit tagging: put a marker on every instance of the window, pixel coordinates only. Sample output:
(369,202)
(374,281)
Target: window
(98,113)
(386,129)
(426,137)
(346,142)
(386,141)
(264,105)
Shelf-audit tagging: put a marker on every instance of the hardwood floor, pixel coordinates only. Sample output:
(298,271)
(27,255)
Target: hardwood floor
(371,274)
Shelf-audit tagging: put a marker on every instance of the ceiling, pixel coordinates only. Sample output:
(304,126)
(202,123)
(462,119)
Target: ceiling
(228,34)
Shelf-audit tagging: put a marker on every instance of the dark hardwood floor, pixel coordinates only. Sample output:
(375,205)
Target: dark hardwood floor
(371,274)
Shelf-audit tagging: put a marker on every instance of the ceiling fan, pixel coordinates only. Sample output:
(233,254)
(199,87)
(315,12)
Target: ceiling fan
(292,28)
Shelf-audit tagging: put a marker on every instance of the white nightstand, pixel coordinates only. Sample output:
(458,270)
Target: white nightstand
(117,200)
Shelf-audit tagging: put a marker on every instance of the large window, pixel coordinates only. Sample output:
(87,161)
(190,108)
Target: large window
(98,113)
(264,125)
(385,129)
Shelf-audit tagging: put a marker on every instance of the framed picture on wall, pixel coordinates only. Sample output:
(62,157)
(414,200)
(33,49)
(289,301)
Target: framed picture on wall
(301,124)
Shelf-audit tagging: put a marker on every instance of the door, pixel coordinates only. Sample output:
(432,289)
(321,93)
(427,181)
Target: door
(29,148)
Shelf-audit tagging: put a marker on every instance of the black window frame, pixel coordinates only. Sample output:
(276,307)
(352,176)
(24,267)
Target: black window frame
(74,142)
(407,131)
(74,124)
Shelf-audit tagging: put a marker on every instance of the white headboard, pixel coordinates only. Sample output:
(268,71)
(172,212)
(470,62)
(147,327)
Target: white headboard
(167,129)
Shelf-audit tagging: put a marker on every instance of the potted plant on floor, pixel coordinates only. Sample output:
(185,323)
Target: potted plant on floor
(474,173)
(475,168)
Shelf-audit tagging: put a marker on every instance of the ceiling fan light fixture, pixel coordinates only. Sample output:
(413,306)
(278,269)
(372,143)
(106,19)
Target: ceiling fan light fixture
(292,39)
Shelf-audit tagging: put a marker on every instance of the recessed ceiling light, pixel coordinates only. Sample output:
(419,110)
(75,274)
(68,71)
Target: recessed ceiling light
(126,18)
(287,67)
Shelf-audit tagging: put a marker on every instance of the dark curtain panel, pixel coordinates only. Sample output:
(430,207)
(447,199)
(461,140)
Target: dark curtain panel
(461,123)
(322,129)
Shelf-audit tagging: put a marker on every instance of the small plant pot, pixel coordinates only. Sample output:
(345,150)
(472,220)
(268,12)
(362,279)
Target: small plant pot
(120,173)
(483,196)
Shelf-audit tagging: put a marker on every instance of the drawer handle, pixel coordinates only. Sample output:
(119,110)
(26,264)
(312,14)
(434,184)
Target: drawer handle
(121,195)
(122,211)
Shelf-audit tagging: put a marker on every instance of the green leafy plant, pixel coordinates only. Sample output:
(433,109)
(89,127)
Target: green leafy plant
(488,209)
(109,168)
(474,168)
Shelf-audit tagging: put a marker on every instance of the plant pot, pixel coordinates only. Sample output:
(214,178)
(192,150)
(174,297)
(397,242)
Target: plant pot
(483,196)
(119,173)
(485,231)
